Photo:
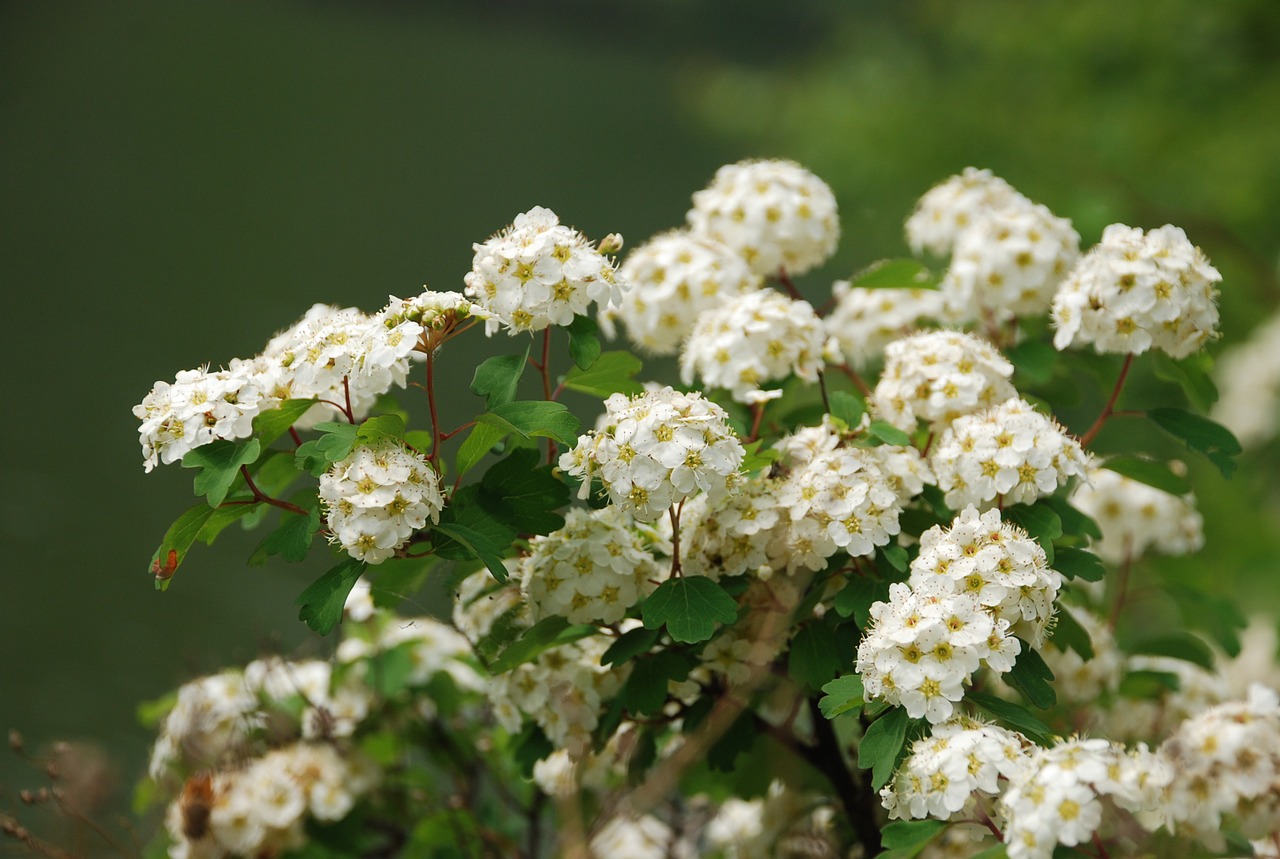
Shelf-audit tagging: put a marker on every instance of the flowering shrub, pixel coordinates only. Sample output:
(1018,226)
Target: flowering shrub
(790,613)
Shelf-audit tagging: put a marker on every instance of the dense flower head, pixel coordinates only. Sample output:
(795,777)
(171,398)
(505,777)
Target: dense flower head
(1069,791)
(325,706)
(1009,451)
(672,279)
(377,497)
(538,272)
(761,337)
(481,603)
(644,837)
(1136,291)
(997,563)
(421,320)
(210,723)
(1009,264)
(1135,518)
(1226,768)
(937,376)
(948,772)
(199,407)
(774,214)
(733,536)
(950,208)
(657,448)
(590,571)
(864,321)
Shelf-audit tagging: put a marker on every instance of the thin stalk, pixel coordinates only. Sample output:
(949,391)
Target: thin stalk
(788,285)
(1109,409)
(260,496)
(436,436)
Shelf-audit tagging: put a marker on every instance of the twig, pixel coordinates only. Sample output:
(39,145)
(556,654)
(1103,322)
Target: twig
(1109,408)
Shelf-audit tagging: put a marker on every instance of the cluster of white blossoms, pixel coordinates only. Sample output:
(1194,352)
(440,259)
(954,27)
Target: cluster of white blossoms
(538,273)
(762,337)
(995,562)
(922,647)
(776,215)
(938,376)
(480,603)
(644,837)
(324,705)
(1068,792)
(948,773)
(785,822)
(864,321)
(1148,719)
(1248,377)
(1226,767)
(211,722)
(262,808)
(656,449)
(1134,291)
(420,321)
(731,537)
(1009,452)
(672,279)
(950,208)
(199,407)
(1135,518)
(589,571)
(377,497)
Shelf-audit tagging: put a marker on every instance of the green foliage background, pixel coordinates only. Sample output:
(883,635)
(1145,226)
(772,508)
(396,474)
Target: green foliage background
(179,180)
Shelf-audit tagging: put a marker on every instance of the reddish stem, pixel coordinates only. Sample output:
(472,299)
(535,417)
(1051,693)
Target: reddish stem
(788,285)
(346,393)
(436,436)
(674,513)
(1109,409)
(857,380)
(259,495)
(757,417)
(297,439)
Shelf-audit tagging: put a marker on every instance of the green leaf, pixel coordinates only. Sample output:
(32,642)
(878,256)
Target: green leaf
(896,556)
(542,636)
(221,518)
(380,428)
(584,341)
(1150,472)
(273,423)
(177,542)
(847,407)
(530,746)
(478,442)
(1034,359)
(895,274)
(812,659)
(757,457)
(689,607)
(398,579)
(523,494)
(529,418)
(476,544)
(843,695)
(291,540)
(1074,523)
(1178,645)
(390,670)
(1200,434)
(903,839)
(855,599)
(629,645)
(1192,374)
(322,602)
(739,738)
(888,433)
(1013,715)
(470,508)
(1031,676)
(611,373)
(333,445)
(881,744)
(1148,684)
(1067,632)
(419,441)
(645,691)
(1038,520)
(1079,564)
(497,378)
(219,463)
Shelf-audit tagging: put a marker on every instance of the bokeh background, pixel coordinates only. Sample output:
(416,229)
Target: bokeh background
(178,180)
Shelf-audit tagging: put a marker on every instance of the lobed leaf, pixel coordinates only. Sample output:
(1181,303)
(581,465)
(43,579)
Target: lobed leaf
(530,418)
(219,463)
(610,373)
(843,695)
(689,606)
(497,378)
(1079,564)
(1201,435)
(847,407)
(273,423)
(880,745)
(584,341)
(895,274)
(1150,472)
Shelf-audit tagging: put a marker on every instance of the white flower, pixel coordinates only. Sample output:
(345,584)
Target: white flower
(1134,291)
(937,376)
(673,278)
(480,603)
(537,273)
(761,337)
(642,838)
(197,408)
(865,321)
(377,497)
(1135,517)
(952,207)
(211,720)
(731,537)
(774,214)
(1248,377)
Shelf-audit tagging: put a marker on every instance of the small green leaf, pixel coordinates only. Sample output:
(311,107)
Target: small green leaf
(1032,677)
(529,418)
(380,428)
(855,599)
(476,544)
(888,433)
(542,636)
(1013,715)
(419,441)
(523,494)
(689,606)
(1040,521)
(645,691)
(333,445)
(881,744)
(1200,434)
(177,542)
(1079,564)
(757,457)
(1034,359)
(843,695)
(1192,374)
(478,442)
(469,508)
(1178,645)
(273,423)
(291,540)
(497,378)
(1150,472)
(895,274)
(1074,523)
(847,407)
(323,601)
(903,839)
(221,518)
(584,341)
(611,373)
(1067,632)
(629,645)
(1148,684)
(219,463)
(812,659)
(896,556)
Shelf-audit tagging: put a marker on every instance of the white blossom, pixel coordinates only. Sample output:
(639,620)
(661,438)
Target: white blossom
(950,208)
(937,376)
(864,321)
(1136,518)
(199,407)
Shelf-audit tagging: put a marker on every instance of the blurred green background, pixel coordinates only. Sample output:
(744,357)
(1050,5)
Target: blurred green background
(178,180)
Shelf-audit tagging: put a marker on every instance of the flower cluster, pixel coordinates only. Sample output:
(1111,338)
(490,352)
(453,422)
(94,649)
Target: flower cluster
(538,272)
(776,215)
(1009,452)
(376,498)
(1134,291)
(864,321)
(734,536)
(762,337)
(657,448)
(950,208)
(937,376)
(672,279)
(197,408)
(1135,517)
